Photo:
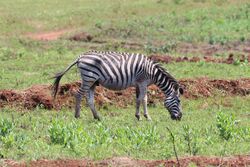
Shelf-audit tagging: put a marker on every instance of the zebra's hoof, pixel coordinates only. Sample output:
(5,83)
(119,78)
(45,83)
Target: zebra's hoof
(148,117)
(77,116)
(97,118)
(138,117)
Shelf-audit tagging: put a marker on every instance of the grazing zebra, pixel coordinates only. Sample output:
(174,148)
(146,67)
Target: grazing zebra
(118,71)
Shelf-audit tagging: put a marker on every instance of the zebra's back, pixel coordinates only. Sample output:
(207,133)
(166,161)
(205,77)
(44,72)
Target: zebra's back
(113,70)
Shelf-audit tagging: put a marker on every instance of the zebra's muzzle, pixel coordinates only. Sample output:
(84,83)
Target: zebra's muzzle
(176,116)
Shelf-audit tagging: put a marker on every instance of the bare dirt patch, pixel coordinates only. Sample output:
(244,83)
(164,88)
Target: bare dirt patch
(40,95)
(231,59)
(183,48)
(211,49)
(241,160)
(48,36)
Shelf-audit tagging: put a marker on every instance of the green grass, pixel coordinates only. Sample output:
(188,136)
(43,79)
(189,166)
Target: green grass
(49,134)
(150,21)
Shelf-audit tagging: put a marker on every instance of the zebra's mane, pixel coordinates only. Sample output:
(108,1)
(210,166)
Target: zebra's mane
(165,72)
(105,52)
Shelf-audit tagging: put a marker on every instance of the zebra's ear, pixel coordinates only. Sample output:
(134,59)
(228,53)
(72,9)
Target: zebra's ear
(181,90)
(176,86)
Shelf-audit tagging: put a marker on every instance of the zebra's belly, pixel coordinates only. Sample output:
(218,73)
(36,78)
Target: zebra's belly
(116,86)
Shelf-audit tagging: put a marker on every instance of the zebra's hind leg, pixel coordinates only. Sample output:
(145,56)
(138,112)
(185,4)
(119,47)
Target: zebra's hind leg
(82,91)
(78,97)
(87,88)
(90,100)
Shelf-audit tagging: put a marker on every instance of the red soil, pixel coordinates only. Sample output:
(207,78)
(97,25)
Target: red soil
(54,35)
(48,36)
(40,95)
(243,160)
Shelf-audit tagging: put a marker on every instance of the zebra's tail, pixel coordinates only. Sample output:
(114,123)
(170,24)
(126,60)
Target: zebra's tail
(58,77)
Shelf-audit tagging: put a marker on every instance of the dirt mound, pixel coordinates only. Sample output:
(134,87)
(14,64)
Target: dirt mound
(241,160)
(40,95)
(231,59)
(202,87)
(83,36)
(32,97)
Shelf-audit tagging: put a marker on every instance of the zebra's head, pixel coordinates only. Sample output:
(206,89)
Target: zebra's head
(172,102)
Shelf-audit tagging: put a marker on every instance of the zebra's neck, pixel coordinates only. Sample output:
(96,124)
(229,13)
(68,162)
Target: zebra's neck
(163,80)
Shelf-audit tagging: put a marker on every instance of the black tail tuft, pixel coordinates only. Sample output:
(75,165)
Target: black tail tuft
(58,77)
(55,85)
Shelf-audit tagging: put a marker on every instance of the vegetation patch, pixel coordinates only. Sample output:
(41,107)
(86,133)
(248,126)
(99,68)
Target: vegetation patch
(57,134)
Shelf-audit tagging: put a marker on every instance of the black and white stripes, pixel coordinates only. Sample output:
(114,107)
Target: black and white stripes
(119,71)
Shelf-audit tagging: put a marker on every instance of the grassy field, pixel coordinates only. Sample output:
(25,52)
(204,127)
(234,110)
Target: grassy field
(162,20)
(210,129)
(210,126)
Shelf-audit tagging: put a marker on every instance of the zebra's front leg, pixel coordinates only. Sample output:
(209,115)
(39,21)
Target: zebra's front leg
(141,96)
(90,101)
(144,102)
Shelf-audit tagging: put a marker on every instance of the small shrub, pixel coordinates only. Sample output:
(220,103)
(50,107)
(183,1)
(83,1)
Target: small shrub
(226,125)
(239,62)
(209,139)
(7,137)
(102,135)
(6,127)
(66,135)
(191,139)
(8,141)
(58,133)
(98,25)
(137,138)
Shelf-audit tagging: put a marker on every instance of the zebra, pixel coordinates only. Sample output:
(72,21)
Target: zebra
(118,71)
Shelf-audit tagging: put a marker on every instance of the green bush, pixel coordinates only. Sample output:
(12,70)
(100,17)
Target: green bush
(7,137)
(6,127)
(58,133)
(226,125)
(137,137)
(191,138)
(67,135)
